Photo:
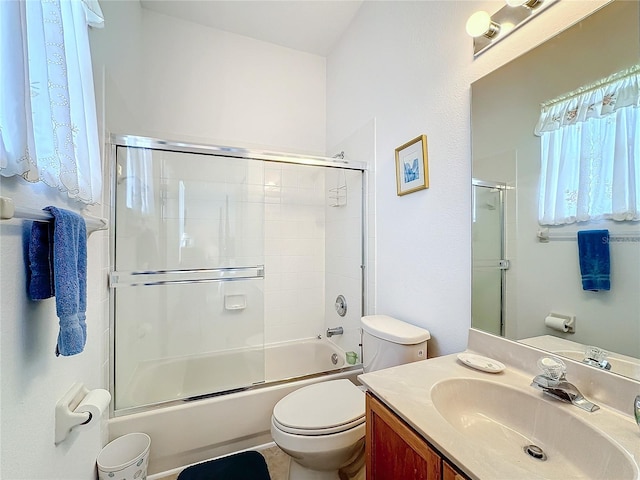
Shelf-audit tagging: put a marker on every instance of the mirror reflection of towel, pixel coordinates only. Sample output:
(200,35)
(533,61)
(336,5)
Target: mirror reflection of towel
(595,265)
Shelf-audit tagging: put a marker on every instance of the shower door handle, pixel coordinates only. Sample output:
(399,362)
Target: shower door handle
(169,277)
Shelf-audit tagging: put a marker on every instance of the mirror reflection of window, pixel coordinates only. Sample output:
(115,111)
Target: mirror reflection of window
(590,152)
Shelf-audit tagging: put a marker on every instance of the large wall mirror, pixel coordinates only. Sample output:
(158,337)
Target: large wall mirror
(519,279)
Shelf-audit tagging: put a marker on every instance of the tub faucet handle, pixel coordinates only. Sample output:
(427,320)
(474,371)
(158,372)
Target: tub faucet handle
(636,409)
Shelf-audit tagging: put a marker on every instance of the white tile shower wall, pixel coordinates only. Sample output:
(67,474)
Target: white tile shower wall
(345,243)
(294,251)
(344,258)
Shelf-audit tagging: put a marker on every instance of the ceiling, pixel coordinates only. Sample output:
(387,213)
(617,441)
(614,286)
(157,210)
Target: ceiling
(312,26)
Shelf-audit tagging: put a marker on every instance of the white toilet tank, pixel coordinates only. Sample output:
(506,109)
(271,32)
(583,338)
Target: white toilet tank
(387,342)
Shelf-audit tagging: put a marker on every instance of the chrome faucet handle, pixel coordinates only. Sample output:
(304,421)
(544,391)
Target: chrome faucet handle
(553,368)
(636,409)
(554,383)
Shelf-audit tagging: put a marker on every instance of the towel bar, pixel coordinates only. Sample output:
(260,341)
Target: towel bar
(8,211)
(545,236)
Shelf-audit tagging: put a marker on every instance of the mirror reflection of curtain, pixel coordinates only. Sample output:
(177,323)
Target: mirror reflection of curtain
(590,152)
(139,181)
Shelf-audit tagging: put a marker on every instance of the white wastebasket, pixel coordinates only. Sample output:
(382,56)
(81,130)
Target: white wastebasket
(125,458)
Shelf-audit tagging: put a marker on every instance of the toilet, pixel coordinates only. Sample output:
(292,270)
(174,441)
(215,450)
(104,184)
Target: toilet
(322,426)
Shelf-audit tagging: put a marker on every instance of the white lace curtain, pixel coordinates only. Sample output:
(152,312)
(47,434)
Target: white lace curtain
(48,124)
(590,152)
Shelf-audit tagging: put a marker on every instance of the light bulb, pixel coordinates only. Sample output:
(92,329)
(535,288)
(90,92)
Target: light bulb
(506,27)
(480,24)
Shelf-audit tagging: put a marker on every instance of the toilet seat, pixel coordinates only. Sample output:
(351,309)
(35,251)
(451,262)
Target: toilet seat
(321,409)
(319,431)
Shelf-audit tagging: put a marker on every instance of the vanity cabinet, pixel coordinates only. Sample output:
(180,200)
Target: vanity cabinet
(395,451)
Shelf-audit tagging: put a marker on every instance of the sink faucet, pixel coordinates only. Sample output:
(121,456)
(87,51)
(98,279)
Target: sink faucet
(334,331)
(554,383)
(596,357)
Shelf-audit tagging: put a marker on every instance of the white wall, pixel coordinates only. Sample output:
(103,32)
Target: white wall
(33,378)
(178,80)
(409,65)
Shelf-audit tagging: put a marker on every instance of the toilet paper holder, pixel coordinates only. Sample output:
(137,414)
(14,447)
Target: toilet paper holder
(563,323)
(66,416)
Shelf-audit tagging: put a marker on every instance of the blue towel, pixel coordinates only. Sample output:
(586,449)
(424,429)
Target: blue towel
(593,253)
(40,271)
(58,266)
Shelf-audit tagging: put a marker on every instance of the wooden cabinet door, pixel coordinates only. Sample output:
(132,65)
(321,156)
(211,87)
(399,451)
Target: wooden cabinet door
(394,450)
(448,472)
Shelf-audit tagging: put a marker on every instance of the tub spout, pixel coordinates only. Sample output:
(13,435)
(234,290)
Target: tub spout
(334,331)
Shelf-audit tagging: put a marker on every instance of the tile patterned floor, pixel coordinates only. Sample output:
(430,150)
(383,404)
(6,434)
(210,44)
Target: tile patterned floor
(277,462)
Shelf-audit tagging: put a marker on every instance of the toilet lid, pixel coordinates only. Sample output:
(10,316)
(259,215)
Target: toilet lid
(321,406)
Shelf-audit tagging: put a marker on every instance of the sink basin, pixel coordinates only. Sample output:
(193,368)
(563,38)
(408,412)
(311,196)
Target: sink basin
(503,421)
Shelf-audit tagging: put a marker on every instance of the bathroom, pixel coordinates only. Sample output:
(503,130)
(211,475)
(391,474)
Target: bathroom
(400,69)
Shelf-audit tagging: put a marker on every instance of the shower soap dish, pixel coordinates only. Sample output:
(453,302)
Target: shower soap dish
(479,362)
(235,302)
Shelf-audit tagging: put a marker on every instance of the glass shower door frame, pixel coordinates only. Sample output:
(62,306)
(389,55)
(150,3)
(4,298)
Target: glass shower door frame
(122,279)
(502,264)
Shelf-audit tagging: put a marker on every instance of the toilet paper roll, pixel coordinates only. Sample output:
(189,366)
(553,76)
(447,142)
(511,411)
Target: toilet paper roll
(95,403)
(557,323)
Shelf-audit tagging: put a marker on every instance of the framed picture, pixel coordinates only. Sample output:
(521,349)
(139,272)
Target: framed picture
(412,171)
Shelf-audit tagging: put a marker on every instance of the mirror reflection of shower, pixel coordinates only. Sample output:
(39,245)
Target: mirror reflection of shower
(488,309)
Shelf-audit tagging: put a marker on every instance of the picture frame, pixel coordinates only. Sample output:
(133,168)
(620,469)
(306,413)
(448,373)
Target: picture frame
(412,166)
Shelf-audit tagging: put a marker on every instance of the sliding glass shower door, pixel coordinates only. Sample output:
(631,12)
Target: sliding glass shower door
(225,262)
(188,274)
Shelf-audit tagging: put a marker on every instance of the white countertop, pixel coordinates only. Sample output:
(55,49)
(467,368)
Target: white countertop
(406,390)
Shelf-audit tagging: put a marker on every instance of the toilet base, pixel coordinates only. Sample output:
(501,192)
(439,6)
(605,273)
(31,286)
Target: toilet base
(298,472)
(354,470)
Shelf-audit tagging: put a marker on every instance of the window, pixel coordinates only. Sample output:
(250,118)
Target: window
(48,125)
(590,153)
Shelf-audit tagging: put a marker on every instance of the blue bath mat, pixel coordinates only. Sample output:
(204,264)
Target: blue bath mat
(240,466)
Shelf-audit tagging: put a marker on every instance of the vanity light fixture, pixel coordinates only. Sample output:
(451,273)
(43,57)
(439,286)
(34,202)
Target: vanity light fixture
(524,3)
(487,30)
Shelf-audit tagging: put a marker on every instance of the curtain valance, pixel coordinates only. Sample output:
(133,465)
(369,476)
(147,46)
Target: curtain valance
(48,122)
(622,89)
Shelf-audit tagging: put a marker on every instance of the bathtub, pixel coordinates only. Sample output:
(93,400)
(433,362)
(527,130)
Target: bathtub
(186,432)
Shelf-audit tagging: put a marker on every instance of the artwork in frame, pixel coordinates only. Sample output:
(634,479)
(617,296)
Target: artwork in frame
(412,171)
